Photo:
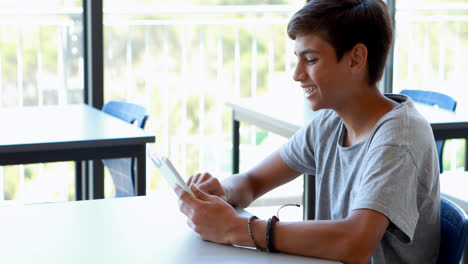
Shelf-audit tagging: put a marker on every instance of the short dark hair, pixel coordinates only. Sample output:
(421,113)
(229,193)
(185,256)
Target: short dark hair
(345,23)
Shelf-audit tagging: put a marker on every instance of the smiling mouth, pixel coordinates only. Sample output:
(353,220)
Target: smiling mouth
(308,91)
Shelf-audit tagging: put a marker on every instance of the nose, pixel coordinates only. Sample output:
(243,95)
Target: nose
(299,73)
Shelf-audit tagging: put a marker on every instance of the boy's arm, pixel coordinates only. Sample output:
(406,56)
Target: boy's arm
(242,189)
(351,240)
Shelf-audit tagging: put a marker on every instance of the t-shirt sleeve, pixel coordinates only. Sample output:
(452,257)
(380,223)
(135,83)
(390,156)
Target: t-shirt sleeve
(389,185)
(298,152)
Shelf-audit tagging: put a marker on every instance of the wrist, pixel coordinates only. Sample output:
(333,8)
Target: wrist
(238,234)
(236,190)
(249,236)
(226,195)
(230,195)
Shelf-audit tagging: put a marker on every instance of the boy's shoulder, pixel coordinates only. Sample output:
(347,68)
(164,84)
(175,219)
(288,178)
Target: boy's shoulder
(404,123)
(406,112)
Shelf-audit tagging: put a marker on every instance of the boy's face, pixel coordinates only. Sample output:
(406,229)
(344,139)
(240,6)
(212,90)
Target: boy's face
(323,79)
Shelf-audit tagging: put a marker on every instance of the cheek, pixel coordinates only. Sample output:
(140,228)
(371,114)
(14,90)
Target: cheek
(314,74)
(320,75)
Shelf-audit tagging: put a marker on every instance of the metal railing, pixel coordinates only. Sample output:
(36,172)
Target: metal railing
(194,52)
(40,64)
(134,60)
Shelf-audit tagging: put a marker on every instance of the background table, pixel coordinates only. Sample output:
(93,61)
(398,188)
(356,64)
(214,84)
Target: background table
(140,230)
(72,133)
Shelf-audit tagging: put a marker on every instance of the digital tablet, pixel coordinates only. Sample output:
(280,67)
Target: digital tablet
(169,172)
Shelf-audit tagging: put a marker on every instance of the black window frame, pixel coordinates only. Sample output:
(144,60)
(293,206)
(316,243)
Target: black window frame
(90,180)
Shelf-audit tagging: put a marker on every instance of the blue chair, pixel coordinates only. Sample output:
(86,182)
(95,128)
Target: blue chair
(433,98)
(453,232)
(122,170)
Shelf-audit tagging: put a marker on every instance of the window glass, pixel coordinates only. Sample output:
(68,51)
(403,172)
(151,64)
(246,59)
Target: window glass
(41,63)
(431,53)
(183,60)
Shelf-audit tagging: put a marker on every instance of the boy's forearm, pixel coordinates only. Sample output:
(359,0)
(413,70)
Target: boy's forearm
(242,189)
(238,190)
(326,240)
(347,240)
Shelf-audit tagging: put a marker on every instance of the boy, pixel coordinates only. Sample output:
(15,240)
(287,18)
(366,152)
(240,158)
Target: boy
(373,155)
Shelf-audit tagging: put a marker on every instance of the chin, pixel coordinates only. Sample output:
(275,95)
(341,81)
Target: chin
(314,106)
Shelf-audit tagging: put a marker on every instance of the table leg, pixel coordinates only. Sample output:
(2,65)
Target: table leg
(78,180)
(97,179)
(140,178)
(82,180)
(235,145)
(309,197)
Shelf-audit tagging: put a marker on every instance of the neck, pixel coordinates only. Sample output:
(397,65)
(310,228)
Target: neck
(361,115)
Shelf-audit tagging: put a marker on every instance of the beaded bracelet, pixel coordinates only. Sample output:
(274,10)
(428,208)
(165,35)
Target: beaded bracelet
(251,235)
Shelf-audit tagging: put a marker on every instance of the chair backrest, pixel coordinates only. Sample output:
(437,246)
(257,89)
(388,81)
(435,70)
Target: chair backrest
(126,111)
(123,170)
(453,232)
(433,98)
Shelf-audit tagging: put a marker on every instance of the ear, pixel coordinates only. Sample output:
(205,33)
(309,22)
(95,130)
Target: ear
(358,58)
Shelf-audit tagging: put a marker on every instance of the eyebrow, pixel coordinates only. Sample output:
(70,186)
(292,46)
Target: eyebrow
(306,51)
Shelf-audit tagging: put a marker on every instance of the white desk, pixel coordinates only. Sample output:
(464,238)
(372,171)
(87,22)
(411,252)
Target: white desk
(72,133)
(121,230)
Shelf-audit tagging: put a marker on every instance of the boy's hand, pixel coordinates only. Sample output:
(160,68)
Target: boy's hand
(208,184)
(211,217)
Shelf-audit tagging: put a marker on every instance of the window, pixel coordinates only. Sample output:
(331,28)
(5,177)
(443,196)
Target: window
(41,63)
(431,54)
(183,61)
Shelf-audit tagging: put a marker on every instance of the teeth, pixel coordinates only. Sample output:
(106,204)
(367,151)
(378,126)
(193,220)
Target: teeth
(309,90)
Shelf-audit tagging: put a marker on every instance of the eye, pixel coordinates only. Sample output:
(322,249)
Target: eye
(311,60)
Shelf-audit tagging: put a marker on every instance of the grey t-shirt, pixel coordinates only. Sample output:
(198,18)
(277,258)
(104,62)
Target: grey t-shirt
(394,171)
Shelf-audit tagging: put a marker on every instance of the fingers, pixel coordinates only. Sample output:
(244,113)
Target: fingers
(213,220)
(193,178)
(207,183)
(187,203)
(199,178)
(201,194)
(211,186)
